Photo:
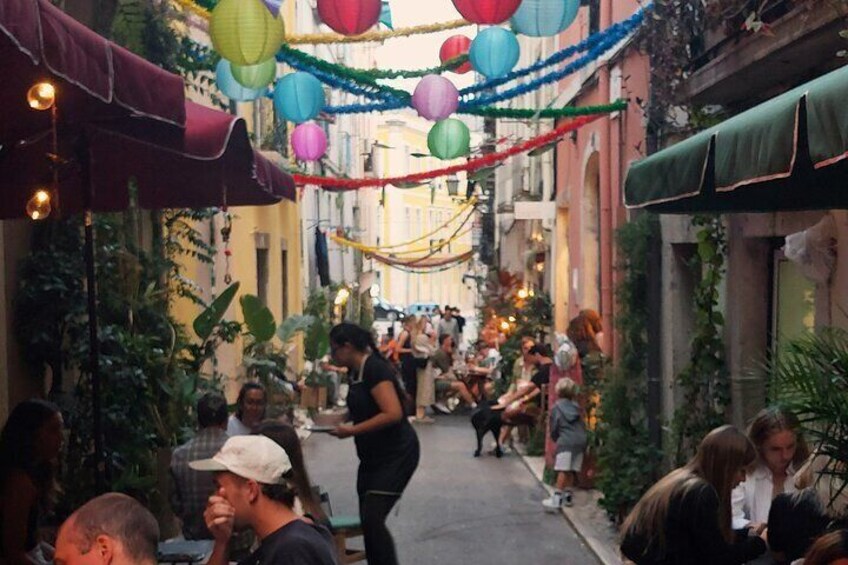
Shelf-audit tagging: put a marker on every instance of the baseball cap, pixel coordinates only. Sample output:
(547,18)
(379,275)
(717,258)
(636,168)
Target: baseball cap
(251,457)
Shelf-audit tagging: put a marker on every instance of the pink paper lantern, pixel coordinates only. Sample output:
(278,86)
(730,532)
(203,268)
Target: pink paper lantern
(350,17)
(435,98)
(309,141)
(452,48)
(487,11)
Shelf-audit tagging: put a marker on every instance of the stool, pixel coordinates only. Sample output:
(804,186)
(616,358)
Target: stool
(342,528)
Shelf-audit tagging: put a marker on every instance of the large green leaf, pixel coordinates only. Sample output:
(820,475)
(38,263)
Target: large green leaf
(317,340)
(259,319)
(294,325)
(205,323)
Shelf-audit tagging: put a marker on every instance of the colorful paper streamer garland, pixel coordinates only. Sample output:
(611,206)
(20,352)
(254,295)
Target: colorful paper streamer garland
(340,184)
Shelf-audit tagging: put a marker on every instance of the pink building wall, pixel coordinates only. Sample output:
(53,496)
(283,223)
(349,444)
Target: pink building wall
(607,147)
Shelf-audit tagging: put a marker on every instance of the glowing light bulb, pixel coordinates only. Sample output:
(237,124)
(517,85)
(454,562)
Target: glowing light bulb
(512,318)
(342,296)
(523,293)
(41,96)
(505,325)
(38,206)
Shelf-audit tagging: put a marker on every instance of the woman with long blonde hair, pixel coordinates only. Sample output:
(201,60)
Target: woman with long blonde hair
(781,451)
(686,517)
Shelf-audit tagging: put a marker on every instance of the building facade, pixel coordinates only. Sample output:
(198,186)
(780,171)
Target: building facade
(590,168)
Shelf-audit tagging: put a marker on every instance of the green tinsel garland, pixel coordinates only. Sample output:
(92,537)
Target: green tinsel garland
(369,76)
(529,113)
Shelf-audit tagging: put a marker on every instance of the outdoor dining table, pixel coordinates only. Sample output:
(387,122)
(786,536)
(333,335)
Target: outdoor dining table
(185,551)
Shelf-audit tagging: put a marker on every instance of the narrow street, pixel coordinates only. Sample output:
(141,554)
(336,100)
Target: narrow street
(458,509)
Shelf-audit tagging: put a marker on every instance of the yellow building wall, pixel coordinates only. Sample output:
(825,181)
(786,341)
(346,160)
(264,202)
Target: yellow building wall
(445,288)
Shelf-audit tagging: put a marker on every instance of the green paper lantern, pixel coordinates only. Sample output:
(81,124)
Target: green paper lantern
(245,32)
(255,76)
(449,139)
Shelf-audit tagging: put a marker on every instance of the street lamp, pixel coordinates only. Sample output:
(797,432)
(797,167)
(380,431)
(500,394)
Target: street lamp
(452,183)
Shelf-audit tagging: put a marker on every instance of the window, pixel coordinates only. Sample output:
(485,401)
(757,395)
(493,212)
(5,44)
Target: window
(262,241)
(594,16)
(262,275)
(284,276)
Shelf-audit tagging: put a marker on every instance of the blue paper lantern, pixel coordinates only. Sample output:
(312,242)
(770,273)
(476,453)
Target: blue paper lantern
(230,87)
(298,97)
(494,52)
(544,18)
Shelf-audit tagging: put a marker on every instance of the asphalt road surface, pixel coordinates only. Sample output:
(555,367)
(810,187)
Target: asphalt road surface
(457,509)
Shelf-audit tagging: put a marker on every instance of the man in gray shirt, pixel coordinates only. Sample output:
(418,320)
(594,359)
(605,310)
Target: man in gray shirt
(449,326)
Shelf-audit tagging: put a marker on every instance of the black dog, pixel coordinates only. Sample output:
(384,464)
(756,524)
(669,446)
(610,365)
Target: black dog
(486,420)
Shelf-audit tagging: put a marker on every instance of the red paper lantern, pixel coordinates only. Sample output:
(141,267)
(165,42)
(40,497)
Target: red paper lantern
(350,17)
(487,11)
(452,48)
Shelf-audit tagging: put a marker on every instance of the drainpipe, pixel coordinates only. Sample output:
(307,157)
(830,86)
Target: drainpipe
(606,148)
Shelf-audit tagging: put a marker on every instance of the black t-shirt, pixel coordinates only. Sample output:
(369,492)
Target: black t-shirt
(390,440)
(542,376)
(296,543)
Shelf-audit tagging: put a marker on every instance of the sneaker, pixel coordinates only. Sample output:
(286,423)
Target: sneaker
(553,504)
(567,499)
(424,420)
(441,408)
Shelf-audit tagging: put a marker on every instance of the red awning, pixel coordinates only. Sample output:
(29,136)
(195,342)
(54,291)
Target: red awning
(129,116)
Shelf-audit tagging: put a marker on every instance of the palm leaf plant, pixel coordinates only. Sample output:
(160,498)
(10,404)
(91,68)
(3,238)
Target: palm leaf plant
(810,377)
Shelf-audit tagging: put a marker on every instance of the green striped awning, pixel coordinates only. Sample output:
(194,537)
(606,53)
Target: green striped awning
(790,153)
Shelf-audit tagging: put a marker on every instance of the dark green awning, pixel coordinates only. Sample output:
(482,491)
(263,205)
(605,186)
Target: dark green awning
(790,153)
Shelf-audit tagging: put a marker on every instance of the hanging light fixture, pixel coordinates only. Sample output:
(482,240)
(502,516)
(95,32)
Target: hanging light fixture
(38,206)
(452,182)
(41,96)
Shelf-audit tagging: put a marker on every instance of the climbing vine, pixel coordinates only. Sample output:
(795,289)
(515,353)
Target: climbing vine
(704,383)
(627,461)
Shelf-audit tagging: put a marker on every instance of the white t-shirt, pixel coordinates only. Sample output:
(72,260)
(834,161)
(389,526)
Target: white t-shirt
(236,427)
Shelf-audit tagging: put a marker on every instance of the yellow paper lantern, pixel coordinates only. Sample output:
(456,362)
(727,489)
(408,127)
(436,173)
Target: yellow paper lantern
(245,32)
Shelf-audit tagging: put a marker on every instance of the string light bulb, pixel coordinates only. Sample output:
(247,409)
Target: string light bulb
(38,206)
(342,296)
(41,96)
(523,293)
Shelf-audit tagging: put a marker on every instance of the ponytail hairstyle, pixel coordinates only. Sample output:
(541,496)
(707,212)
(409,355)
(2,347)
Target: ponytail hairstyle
(357,337)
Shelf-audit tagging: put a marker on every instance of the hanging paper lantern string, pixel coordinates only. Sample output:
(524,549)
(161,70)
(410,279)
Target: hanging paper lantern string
(309,141)
(544,18)
(449,139)
(488,160)
(494,52)
(298,97)
(230,87)
(611,36)
(245,32)
(435,98)
(255,76)
(327,38)
(598,43)
(454,47)
(350,17)
(484,12)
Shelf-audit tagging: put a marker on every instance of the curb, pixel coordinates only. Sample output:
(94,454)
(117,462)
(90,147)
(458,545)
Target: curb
(605,554)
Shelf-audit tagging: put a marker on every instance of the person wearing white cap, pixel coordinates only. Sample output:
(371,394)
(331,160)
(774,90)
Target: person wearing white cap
(251,476)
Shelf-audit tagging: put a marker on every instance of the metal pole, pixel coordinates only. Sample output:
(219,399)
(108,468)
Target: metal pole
(94,344)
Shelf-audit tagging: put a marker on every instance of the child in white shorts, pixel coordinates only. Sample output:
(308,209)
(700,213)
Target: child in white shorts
(569,432)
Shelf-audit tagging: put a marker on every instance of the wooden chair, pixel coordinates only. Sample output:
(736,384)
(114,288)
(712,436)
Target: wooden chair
(342,528)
